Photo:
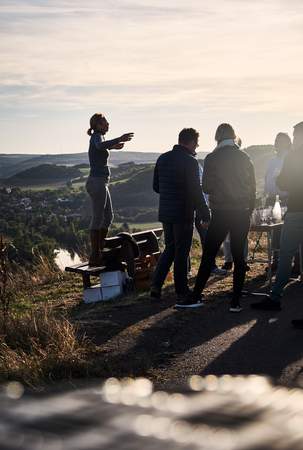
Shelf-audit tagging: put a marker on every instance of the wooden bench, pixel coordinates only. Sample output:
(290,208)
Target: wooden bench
(120,254)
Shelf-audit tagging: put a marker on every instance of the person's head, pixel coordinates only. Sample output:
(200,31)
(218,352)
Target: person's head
(188,137)
(282,143)
(298,136)
(98,123)
(224,131)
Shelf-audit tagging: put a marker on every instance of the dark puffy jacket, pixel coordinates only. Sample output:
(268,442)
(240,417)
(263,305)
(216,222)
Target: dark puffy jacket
(291,180)
(229,179)
(176,179)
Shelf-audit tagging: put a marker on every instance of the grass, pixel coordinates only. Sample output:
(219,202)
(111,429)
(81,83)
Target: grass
(141,226)
(40,346)
(51,335)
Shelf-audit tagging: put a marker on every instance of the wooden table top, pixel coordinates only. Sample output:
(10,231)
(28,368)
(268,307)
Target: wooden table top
(266,227)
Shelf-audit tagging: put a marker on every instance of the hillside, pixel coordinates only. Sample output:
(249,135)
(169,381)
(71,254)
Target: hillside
(43,174)
(12,164)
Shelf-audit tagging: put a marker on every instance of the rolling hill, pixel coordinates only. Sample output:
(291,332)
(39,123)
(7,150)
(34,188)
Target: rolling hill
(43,174)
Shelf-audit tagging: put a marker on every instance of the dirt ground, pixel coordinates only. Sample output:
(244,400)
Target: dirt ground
(144,337)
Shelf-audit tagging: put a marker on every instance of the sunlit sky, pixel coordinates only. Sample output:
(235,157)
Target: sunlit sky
(151,66)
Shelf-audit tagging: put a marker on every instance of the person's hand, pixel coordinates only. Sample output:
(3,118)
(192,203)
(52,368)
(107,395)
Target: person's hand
(126,137)
(117,146)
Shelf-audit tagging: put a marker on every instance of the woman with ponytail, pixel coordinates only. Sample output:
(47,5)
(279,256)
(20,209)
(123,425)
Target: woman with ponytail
(97,183)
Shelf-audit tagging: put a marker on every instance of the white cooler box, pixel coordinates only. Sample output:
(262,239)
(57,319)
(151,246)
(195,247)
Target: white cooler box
(111,286)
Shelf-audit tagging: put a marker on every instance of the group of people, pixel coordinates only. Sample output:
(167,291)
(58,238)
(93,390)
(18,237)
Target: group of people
(217,199)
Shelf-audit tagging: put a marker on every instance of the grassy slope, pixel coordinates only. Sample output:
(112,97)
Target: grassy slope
(128,337)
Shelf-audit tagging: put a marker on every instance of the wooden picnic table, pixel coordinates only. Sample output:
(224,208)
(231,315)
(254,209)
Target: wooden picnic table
(269,230)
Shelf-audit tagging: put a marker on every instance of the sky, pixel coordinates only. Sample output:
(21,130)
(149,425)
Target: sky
(152,67)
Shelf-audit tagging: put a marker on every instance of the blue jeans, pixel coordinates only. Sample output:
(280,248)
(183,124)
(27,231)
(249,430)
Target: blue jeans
(291,238)
(178,239)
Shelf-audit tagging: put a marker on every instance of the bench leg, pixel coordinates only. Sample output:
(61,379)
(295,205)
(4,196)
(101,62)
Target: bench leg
(127,255)
(86,281)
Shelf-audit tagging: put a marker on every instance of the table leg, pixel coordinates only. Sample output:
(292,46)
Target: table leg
(301,262)
(269,258)
(86,281)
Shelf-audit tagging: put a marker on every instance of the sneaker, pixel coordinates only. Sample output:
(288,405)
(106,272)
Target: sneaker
(227,266)
(155,293)
(297,323)
(267,304)
(235,307)
(189,302)
(295,272)
(219,272)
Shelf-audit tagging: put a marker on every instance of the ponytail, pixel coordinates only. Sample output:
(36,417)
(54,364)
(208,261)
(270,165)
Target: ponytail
(94,121)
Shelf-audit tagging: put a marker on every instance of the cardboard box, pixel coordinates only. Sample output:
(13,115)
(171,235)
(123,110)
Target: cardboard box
(110,292)
(92,294)
(115,278)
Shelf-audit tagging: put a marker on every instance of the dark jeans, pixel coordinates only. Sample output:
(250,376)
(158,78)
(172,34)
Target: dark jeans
(236,223)
(178,239)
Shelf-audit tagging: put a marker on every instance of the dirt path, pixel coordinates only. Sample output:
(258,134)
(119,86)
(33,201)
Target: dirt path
(148,338)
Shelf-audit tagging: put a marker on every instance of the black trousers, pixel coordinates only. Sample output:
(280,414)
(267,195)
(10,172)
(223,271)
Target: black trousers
(178,239)
(236,223)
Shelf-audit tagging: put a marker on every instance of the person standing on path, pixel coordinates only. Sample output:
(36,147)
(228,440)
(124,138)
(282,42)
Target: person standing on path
(97,183)
(290,180)
(176,179)
(229,180)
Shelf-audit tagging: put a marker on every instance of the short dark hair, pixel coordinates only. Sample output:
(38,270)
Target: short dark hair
(225,131)
(188,135)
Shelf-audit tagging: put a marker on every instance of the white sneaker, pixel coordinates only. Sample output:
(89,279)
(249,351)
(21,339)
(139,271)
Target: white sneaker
(235,309)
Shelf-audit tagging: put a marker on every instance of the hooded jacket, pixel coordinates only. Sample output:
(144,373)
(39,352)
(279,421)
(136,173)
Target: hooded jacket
(229,179)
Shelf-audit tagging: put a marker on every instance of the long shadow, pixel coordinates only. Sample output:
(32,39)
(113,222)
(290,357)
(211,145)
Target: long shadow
(269,346)
(174,335)
(180,332)
(102,322)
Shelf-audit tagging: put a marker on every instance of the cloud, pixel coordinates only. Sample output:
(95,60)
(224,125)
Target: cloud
(148,55)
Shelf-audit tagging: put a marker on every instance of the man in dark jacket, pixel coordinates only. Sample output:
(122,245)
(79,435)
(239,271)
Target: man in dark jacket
(291,181)
(176,179)
(229,180)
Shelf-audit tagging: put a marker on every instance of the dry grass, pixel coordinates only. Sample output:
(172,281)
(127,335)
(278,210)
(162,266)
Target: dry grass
(38,343)
(38,346)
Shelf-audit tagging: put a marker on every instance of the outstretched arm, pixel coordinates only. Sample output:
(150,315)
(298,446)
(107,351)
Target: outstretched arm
(113,144)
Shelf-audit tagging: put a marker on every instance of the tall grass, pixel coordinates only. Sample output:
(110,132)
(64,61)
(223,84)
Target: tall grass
(38,344)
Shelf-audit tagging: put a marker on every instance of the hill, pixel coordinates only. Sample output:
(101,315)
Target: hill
(43,174)
(12,164)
